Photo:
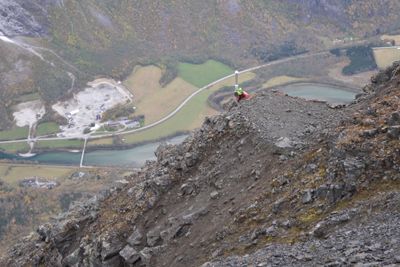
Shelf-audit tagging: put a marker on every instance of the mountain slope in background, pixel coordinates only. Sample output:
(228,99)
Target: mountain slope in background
(109,38)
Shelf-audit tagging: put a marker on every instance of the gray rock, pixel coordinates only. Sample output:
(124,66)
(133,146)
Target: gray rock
(214,195)
(271,231)
(369,133)
(394,132)
(353,167)
(146,254)
(276,207)
(72,258)
(359,257)
(153,237)
(135,238)
(18,19)
(129,254)
(186,189)
(341,218)
(284,142)
(283,158)
(311,167)
(394,118)
(109,250)
(44,232)
(307,196)
(111,262)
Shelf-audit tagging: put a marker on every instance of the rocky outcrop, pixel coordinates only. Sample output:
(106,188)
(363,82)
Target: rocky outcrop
(232,188)
(27,18)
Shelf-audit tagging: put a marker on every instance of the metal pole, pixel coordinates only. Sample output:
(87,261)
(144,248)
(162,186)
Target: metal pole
(83,152)
(236,78)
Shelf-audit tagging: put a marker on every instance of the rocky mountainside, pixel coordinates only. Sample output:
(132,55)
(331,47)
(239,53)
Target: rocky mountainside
(275,181)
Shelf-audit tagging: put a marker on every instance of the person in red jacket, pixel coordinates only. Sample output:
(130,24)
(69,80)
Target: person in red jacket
(240,94)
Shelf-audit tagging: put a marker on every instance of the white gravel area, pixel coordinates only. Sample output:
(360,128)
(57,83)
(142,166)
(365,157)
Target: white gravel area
(28,113)
(85,106)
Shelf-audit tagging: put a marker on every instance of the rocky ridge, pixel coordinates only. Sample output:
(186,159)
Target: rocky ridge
(277,181)
(24,18)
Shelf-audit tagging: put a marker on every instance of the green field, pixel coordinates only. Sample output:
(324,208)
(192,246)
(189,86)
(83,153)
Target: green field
(202,74)
(60,144)
(15,147)
(47,128)
(15,133)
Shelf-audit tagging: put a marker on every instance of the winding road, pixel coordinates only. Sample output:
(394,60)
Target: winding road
(173,113)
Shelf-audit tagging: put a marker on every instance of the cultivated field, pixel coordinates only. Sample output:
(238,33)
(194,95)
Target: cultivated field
(100,142)
(47,128)
(385,56)
(75,143)
(280,80)
(13,174)
(15,147)
(152,100)
(203,74)
(15,133)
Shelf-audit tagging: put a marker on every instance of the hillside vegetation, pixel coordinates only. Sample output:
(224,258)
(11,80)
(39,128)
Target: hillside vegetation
(111,37)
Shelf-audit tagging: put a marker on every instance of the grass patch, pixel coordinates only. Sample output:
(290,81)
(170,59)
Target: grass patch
(309,216)
(202,74)
(15,133)
(60,144)
(15,147)
(152,100)
(385,57)
(280,80)
(13,174)
(100,142)
(47,128)
(191,116)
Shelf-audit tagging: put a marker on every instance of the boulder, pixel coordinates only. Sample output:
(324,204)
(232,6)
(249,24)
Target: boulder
(307,196)
(109,250)
(394,119)
(135,238)
(129,254)
(394,132)
(214,195)
(153,237)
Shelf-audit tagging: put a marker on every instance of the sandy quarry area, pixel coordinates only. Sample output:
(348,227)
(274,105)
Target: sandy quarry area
(85,107)
(28,113)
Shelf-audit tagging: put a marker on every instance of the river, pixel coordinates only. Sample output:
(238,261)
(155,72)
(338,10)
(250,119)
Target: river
(133,157)
(322,92)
